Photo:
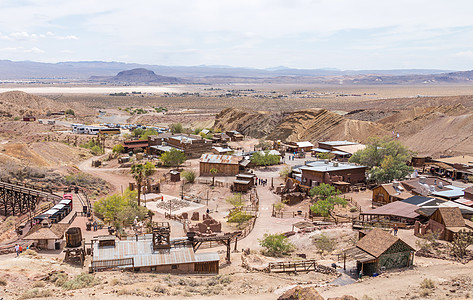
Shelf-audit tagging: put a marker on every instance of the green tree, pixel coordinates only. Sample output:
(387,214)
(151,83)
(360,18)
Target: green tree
(120,210)
(386,159)
(284,173)
(140,172)
(264,159)
(276,245)
(325,155)
(327,198)
(236,200)
(214,172)
(189,175)
(176,128)
(324,243)
(173,158)
(69,112)
(118,148)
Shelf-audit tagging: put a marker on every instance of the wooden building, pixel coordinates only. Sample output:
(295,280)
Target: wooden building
(329,172)
(29,118)
(389,192)
(468,193)
(398,212)
(193,146)
(47,236)
(447,221)
(134,145)
(243,183)
(142,256)
(299,146)
(226,165)
(235,136)
(379,250)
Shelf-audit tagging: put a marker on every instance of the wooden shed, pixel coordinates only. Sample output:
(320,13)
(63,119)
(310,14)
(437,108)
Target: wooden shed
(447,221)
(379,250)
(226,165)
(389,192)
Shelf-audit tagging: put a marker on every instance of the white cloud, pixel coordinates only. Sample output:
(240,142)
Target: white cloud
(465,54)
(21,50)
(261,33)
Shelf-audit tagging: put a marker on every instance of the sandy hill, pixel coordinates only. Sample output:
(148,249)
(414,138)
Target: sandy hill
(303,125)
(18,103)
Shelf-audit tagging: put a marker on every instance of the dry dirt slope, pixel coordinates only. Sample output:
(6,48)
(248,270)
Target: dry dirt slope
(17,103)
(309,124)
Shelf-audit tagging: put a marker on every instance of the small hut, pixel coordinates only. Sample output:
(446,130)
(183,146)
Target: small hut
(46,235)
(447,221)
(379,250)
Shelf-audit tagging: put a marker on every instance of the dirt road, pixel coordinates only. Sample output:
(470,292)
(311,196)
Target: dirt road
(118,182)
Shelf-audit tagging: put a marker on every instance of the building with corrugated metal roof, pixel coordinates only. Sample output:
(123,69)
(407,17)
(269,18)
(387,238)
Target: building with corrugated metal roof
(141,255)
(226,165)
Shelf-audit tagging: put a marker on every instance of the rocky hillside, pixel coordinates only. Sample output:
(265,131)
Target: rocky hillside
(248,122)
(18,104)
(303,125)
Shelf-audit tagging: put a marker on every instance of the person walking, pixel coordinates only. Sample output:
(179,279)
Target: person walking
(395,229)
(17,250)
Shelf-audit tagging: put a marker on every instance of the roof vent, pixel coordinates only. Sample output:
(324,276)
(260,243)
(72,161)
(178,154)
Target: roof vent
(422,179)
(440,185)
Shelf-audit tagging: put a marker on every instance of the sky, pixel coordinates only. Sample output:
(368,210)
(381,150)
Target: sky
(306,34)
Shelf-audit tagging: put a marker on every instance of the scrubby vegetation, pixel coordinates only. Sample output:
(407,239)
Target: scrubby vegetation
(189,176)
(120,210)
(276,245)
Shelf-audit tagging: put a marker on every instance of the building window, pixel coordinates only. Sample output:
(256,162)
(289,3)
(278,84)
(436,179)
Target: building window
(174,267)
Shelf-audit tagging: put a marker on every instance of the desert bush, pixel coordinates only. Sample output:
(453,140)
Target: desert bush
(324,243)
(285,171)
(115,281)
(80,281)
(160,290)
(238,217)
(276,245)
(279,206)
(36,293)
(189,175)
(219,279)
(427,284)
(58,278)
(118,148)
(3,281)
(353,209)
(176,128)
(39,284)
(30,252)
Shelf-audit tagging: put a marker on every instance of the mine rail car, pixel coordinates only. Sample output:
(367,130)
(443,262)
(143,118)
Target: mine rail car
(17,199)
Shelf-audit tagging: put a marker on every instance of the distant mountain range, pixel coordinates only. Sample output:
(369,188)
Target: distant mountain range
(126,73)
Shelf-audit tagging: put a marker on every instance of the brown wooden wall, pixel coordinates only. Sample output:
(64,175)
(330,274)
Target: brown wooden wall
(377,191)
(223,169)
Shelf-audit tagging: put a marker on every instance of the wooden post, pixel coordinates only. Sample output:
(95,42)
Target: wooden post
(344,261)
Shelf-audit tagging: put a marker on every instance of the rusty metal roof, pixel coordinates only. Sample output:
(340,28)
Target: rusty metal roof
(220,159)
(397,208)
(143,254)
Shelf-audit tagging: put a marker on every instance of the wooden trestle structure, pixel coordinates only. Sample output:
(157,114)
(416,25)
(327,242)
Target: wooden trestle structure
(16,199)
